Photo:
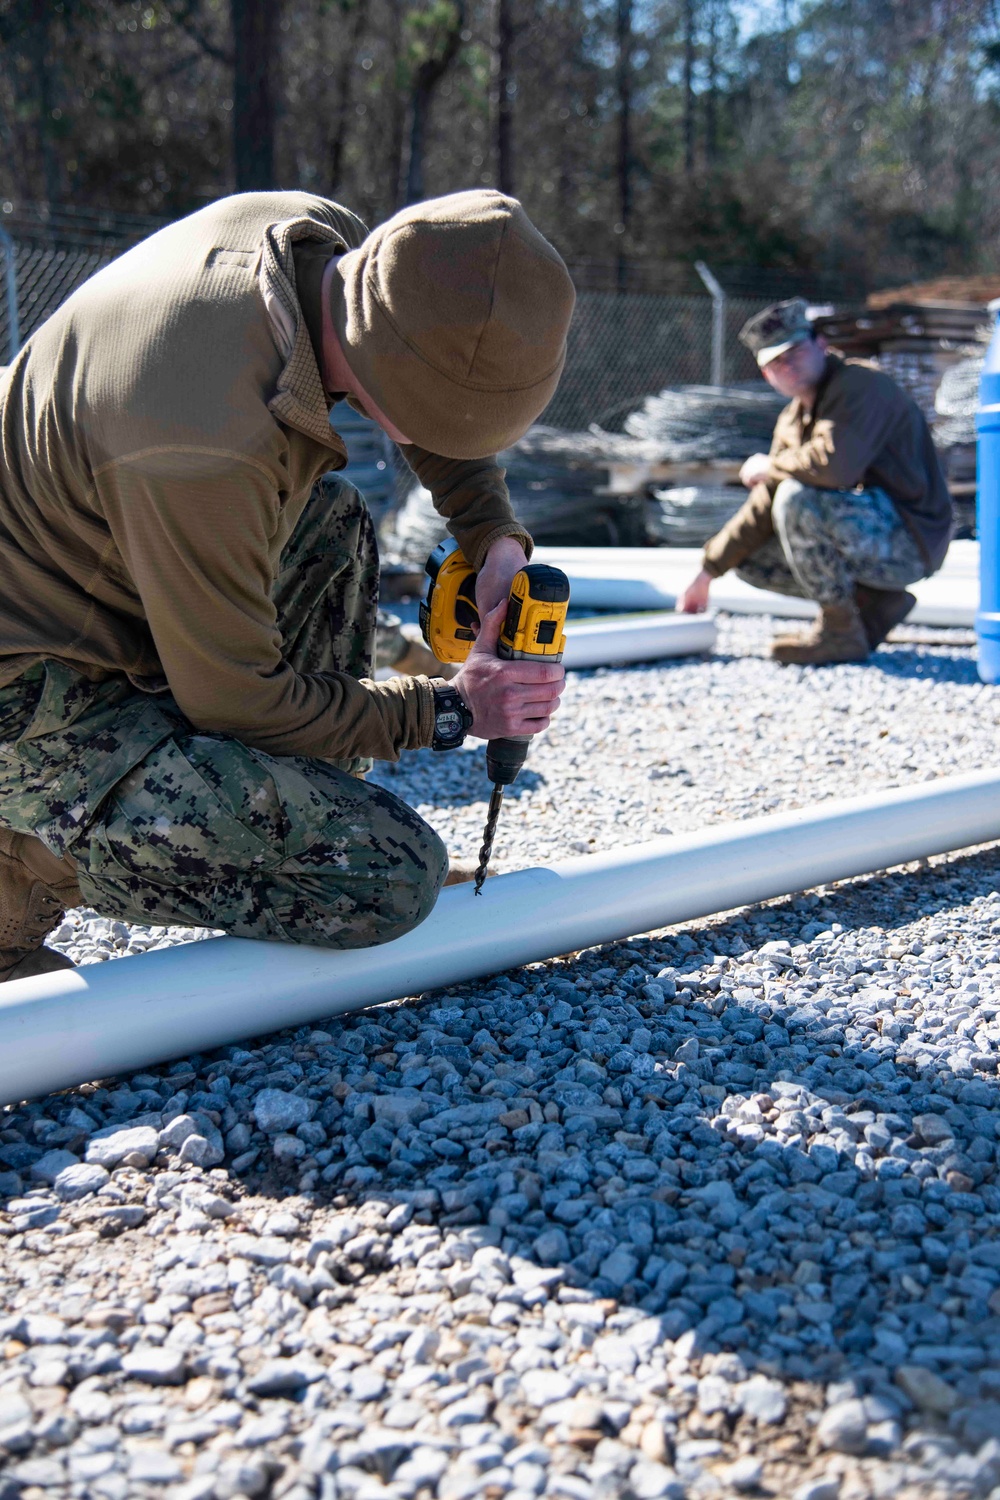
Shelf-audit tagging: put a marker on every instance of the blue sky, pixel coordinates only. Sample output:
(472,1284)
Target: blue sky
(761,15)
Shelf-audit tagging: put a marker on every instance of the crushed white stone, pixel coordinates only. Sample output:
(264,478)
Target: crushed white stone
(710,1211)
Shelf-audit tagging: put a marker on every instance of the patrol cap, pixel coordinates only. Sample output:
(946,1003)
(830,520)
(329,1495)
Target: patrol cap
(769,333)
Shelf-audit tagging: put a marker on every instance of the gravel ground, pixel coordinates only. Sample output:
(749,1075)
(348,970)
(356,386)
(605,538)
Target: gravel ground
(711,1212)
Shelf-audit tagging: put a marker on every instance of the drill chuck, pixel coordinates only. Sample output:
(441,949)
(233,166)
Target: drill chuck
(504,758)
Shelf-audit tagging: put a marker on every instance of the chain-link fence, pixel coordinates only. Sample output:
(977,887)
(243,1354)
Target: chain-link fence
(37,278)
(738,364)
(622,346)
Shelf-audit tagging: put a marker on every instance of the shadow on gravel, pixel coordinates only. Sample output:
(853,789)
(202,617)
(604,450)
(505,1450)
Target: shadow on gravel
(904,661)
(901,660)
(871,1247)
(729,1170)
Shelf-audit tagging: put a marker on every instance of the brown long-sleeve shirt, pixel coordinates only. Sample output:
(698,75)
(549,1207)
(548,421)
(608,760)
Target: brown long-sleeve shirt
(862,431)
(159,437)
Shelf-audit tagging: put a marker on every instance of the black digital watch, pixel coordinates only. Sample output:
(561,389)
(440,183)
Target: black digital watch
(452,719)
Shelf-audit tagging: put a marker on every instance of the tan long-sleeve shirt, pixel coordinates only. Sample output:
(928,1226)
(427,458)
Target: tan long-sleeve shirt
(158,444)
(862,431)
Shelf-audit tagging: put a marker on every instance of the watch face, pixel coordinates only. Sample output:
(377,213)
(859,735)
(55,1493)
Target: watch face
(449,724)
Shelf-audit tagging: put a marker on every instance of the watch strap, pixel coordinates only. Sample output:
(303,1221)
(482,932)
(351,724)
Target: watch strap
(452,716)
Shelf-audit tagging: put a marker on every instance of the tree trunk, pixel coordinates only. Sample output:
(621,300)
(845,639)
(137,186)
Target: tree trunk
(255,27)
(397,108)
(689,24)
(712,91)
(623,35)
(342,112)
(503,103)
(43,61)
(420,104)
(425,81)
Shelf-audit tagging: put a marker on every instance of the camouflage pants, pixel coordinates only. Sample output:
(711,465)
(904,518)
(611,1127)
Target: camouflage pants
(826,541)
(166,825)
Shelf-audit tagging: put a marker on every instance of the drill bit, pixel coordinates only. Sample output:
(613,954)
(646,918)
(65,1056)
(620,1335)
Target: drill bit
(496,802)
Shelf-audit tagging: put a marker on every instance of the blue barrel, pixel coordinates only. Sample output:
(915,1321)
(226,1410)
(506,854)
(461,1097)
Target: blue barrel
(988,509)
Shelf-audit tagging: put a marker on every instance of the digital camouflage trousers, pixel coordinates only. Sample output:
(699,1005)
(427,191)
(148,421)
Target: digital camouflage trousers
(826,541)
(166,825)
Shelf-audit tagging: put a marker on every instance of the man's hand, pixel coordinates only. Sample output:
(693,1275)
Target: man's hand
(506,697)
(504,559)
(756,468)
(694,600)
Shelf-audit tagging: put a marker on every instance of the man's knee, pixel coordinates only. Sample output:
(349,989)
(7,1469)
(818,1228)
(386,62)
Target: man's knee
(368,888)
(366,869)
(767,568)
(793,500)
(415,864)
(772,579)
(427,883)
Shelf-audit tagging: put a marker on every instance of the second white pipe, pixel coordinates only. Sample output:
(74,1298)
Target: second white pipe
(651,637)
(67,1028)
(654,577)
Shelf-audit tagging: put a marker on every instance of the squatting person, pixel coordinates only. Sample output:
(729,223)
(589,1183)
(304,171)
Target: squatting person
(188,594)
(849,506)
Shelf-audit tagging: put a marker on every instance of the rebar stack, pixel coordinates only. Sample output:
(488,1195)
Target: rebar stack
(701,423)
(687,515)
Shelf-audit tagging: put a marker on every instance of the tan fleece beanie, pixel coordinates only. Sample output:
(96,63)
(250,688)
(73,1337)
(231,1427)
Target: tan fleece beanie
(453,316)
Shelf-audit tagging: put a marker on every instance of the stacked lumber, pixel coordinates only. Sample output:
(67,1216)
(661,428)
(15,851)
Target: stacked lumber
(914,342)
(980,290)
(902,327)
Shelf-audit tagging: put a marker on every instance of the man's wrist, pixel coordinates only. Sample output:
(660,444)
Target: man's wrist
(507,544)
(452,716)
(501,536)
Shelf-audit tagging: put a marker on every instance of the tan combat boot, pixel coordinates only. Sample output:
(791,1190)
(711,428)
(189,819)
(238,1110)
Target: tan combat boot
(838,635)
(36,886)
(881,610)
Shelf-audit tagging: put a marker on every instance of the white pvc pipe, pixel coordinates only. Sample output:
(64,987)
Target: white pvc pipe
(651,637)
(654,577)
(115,1017)
(619,593)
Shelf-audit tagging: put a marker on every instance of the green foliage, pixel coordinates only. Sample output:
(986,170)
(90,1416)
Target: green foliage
(427,29)
(859,137)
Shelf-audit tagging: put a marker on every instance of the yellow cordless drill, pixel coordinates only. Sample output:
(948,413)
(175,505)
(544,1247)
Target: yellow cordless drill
(532,631)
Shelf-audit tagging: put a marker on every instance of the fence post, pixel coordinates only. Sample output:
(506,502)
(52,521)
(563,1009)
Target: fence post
(13,321)
(718,320)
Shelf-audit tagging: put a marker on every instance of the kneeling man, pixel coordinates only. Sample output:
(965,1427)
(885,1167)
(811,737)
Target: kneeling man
(188,590)
(849,506)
